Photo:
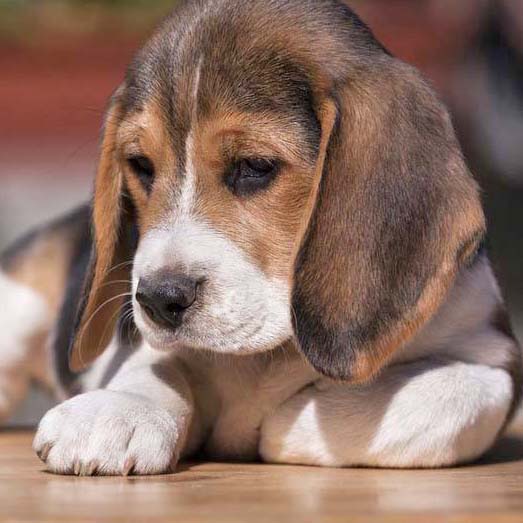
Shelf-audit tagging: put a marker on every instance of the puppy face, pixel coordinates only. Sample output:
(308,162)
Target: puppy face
(220,192)
(283,176)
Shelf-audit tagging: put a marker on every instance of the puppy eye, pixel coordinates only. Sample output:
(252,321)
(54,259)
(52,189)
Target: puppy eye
(249,175)
(143,168)
(256,167)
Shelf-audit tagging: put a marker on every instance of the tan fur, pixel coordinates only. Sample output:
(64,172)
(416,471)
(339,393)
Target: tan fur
(45,267)
(110,270)
(144,133)
(266,225)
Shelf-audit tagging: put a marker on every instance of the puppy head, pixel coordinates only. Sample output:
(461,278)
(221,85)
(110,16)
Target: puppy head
(285,176)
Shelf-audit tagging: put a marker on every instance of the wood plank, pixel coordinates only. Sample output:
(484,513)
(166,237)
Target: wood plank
(489,491)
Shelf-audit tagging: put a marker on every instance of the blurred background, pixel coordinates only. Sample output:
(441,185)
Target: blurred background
(61,59)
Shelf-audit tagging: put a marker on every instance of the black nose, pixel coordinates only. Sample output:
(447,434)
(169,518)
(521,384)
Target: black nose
(165,297)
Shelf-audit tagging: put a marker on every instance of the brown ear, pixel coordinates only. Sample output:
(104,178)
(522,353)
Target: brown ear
(396,214)
(107,280)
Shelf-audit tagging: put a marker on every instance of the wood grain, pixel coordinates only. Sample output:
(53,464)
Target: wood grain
(489,491)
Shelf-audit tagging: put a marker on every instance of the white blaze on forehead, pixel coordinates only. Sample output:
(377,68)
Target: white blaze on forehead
(196,85)
(188,190)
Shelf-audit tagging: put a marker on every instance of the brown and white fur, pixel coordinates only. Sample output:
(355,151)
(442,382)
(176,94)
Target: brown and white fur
(283,211)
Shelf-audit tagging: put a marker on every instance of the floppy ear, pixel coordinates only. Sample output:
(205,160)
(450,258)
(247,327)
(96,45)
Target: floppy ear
(107,281)
(396,214)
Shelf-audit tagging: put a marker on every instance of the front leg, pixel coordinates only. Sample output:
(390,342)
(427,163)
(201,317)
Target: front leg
(138,424)
(423,414)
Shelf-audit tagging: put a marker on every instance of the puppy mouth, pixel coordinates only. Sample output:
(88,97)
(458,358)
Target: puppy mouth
(163,339)
(190,331)
(192,334)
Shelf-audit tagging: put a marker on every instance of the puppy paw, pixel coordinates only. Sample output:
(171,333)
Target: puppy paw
(107,433)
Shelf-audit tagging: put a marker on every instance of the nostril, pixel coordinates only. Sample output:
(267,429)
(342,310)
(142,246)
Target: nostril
(174,308)
(149,311)
(140,297)
(144,302)
(182,296)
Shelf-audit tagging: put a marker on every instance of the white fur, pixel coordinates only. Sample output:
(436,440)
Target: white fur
(107,433)
(188,192)
(462,327)
(442,401)
(423,414)
(138,424)
(240,310)
(24,314)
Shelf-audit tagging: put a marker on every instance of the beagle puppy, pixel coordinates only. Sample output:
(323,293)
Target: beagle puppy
(282,260)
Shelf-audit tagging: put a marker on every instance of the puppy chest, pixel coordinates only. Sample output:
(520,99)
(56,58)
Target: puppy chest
(235,434)
(233,396)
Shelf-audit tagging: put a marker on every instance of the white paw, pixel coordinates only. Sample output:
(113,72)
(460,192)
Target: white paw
(107,433)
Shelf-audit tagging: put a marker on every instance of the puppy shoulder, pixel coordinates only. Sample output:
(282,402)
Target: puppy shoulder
(471,325)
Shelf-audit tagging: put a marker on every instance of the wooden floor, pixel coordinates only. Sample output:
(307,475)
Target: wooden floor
(490,492)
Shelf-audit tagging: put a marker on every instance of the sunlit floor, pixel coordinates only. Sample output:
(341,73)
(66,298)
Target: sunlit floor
(490,492)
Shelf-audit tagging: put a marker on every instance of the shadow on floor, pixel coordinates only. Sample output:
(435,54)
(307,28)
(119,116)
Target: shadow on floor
(507,450)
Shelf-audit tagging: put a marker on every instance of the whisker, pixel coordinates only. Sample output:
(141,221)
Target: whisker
(129,323)
(118,265)
(114,282)
(98,309)
(111,321)
(126,321)
(293,312)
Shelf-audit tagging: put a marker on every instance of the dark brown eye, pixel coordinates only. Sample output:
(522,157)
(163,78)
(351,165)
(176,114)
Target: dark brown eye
(143,168)
(249,175)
